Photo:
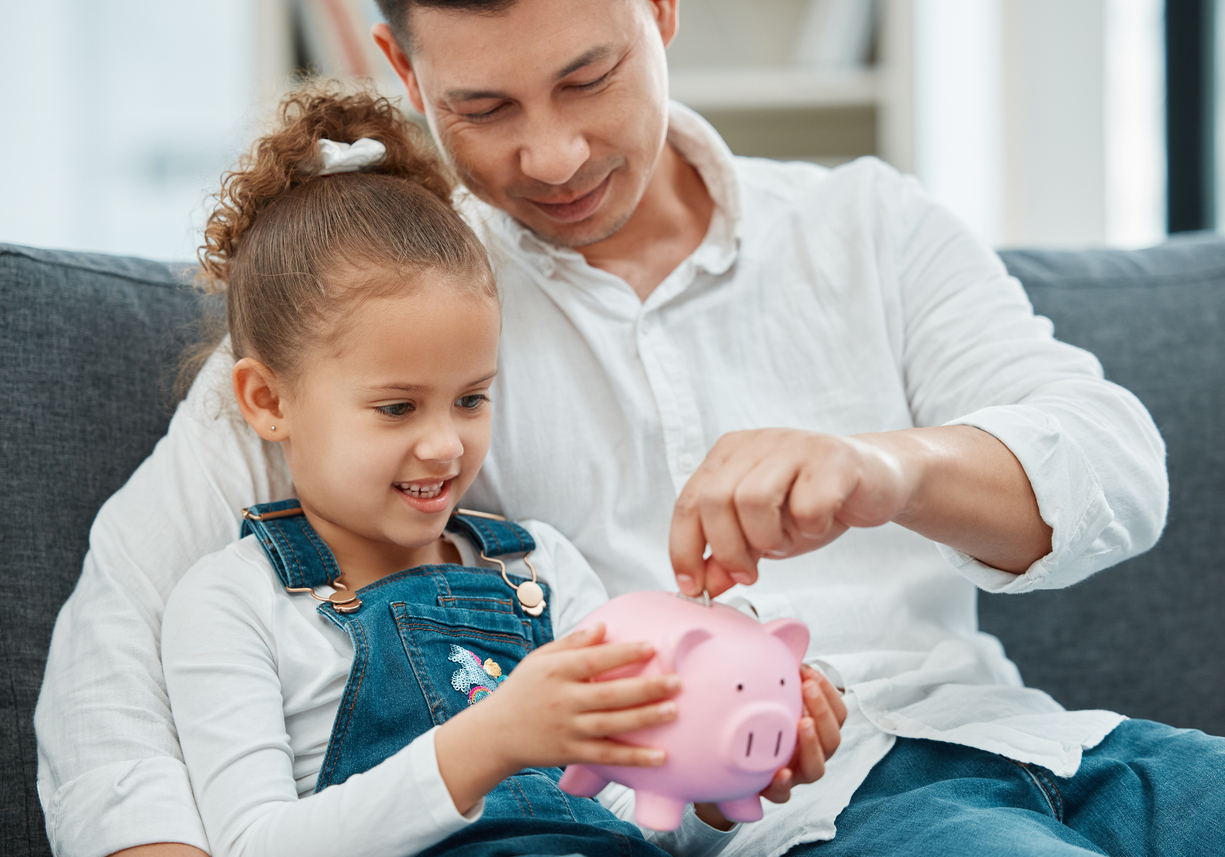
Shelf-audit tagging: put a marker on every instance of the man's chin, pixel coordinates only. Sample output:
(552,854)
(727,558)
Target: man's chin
(575,235)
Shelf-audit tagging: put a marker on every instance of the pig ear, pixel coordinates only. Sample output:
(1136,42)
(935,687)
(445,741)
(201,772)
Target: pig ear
(685,643)
(792,632)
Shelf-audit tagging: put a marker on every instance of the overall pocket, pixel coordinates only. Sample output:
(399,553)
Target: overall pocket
(459,655)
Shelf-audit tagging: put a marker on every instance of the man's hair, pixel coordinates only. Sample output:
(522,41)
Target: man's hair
(397,13)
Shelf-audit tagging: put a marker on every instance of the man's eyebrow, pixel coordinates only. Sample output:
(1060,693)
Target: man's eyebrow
(586,58)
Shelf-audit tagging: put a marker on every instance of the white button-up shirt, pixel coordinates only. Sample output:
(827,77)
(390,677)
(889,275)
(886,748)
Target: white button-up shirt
(841,301)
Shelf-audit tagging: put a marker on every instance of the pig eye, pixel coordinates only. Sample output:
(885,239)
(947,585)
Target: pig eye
(782,682)
(739,687)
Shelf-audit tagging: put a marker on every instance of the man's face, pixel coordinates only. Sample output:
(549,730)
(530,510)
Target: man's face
(554,111)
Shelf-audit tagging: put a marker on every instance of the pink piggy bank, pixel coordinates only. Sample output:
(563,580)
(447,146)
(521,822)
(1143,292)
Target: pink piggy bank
(737,711)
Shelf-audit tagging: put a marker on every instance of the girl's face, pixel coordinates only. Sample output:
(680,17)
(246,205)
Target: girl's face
(387,427)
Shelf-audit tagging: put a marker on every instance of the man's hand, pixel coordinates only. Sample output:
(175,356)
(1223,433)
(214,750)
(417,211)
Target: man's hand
(783,492)
(818,738)
(778,493)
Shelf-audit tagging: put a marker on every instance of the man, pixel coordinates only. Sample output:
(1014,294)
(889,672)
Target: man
(790,358)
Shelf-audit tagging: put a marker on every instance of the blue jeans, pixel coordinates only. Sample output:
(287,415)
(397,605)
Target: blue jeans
(1146,789)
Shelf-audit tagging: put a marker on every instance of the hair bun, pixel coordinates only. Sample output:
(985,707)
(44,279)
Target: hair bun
(290,155)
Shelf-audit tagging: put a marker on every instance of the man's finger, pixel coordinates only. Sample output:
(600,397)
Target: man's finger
(687,544)
(761,499)
(721,526)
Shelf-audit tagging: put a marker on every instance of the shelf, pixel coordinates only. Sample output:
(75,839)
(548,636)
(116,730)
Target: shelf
(774,88)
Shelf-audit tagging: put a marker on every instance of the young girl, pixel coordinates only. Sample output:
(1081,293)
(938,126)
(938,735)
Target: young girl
(326,697)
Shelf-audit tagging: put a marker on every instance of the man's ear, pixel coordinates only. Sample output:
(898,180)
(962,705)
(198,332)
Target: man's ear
(667,17)
(259,398)
(400,63)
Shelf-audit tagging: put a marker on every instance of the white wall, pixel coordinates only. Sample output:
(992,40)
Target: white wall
(118,119)
(1040,122)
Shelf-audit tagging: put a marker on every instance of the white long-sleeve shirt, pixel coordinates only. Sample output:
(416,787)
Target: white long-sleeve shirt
(841,301)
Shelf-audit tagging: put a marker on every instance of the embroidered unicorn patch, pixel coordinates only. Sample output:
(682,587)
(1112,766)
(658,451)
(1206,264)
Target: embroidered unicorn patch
(474,677)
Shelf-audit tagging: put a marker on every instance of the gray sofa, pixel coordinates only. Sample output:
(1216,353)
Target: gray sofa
(88,345)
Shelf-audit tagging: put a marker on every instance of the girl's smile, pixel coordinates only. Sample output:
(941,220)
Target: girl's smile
(427,497)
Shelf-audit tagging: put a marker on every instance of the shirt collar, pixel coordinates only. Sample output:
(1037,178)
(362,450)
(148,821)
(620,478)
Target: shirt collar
(697,142)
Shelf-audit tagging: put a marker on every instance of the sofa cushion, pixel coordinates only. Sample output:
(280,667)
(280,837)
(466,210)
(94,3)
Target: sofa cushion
(1146,637)
(88,347)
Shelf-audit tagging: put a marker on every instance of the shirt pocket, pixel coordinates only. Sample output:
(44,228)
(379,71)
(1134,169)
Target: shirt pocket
(459,655)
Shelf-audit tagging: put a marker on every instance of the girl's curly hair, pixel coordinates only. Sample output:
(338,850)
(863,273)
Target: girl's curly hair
(291,249)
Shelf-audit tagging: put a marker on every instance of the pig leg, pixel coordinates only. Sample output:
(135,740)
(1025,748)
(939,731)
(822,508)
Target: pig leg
(581,781)
(656,811)
(745,809)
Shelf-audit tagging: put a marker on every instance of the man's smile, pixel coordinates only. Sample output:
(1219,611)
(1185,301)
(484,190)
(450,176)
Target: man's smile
(577,208)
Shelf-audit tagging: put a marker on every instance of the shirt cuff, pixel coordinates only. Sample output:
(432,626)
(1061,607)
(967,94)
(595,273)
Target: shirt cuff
(123,805)
(1070,500)
(699,839)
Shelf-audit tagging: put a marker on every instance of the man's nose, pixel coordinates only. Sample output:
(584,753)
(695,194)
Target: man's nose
(552,151)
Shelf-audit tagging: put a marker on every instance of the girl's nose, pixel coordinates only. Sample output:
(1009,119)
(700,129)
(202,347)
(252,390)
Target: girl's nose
(552,152)
(441,442)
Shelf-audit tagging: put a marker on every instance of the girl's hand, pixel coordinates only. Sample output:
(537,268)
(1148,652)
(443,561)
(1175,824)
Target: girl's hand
(548,713)
(818,738)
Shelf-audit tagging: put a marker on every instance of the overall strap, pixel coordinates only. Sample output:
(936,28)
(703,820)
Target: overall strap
(493,535)
(302,560)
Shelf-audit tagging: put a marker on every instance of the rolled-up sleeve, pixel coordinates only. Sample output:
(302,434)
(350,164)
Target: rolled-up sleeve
(975,354)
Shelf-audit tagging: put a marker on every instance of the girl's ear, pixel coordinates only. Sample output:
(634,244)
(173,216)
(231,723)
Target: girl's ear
(259,398)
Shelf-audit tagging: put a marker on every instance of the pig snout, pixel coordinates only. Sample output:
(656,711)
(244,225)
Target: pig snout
(762,738)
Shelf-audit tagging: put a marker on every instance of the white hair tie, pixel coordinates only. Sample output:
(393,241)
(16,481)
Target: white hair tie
(349,158)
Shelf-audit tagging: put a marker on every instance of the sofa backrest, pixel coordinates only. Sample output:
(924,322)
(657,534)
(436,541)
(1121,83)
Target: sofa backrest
(1147,637)
(88,347)
(89,343)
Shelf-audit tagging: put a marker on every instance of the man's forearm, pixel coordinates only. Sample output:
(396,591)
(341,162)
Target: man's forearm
(970,493)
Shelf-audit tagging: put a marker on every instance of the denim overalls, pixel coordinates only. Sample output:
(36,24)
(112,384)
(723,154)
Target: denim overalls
(428,642)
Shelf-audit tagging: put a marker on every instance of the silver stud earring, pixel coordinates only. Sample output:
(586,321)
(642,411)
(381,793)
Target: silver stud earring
(274,428)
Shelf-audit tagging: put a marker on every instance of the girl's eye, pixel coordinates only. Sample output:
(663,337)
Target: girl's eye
(399,409)
(471,403)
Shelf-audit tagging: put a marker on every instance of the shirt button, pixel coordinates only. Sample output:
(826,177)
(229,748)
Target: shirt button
(686,462)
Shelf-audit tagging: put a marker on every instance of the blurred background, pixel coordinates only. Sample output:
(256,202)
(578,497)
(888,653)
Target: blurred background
(1039,122)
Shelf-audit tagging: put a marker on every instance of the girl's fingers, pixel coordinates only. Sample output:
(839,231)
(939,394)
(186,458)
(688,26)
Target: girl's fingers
(827,711)
(586,662)
(583,637)
(605,752)
(779,790)
(604,724)
(626,692)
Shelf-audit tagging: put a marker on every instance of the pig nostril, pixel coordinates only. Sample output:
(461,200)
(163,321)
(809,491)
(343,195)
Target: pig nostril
(749,748)
(779,743)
